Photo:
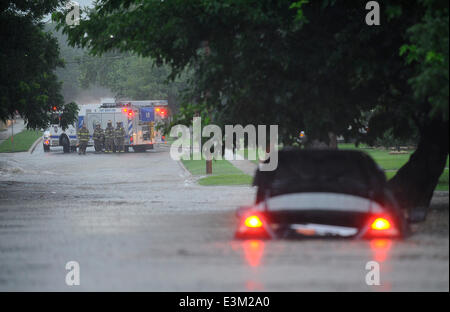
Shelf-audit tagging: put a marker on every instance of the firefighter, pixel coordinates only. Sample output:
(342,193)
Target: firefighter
(99,138)
(119,137)
(83,138)
(109,137)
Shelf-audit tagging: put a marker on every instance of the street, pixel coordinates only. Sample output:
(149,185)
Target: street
(139,222)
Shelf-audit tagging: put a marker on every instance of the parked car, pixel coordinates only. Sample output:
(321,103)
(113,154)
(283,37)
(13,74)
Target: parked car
(322,193)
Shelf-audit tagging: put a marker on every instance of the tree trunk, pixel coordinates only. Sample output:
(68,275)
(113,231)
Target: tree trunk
(333,140)
(414,183)
(317,143)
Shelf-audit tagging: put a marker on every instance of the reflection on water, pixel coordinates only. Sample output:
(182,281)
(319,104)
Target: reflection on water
(253,252)
(253,285)
(380,249)
(254,255)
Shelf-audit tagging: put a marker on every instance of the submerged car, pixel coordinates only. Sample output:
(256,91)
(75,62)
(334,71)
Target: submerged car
(322,193)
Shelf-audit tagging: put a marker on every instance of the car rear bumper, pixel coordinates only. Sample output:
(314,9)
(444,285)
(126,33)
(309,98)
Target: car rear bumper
(328,215)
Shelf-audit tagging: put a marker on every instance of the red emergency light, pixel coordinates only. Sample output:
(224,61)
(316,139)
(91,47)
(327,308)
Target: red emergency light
(161,111)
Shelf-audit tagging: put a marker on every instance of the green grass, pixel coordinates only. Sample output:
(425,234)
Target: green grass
(442,183)
(219,167)
(226,179)
(224,173)
(22,141)
(394,162)
(382,157)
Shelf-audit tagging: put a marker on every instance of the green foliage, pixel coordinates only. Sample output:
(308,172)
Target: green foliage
(388,139)
(131,76)
(428,52)
(313,66)
(69,114)
(28,58)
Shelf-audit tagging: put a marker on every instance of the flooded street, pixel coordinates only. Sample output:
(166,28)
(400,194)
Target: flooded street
(138,221)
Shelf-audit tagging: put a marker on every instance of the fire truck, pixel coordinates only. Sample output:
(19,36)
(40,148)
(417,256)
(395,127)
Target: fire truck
(140,120)
(55,135)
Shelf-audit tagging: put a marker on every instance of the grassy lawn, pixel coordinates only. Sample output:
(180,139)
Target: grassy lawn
(226,179)
(224,173)
(220,167)
(22,141)
(395,162)
(442,183)
(382,157)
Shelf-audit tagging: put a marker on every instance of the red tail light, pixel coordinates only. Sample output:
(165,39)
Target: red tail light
(253,222)
(253,225)
(381,226)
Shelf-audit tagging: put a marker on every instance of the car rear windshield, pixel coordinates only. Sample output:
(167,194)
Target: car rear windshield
(347,172)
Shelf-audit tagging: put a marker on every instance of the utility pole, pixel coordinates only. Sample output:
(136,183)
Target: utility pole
(208,162)
(12,135)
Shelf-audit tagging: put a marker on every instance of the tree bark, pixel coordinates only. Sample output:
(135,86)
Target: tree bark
(414,183)
(333,140)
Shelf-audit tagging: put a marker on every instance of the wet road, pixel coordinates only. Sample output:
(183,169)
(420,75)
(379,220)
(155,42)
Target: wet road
(137,221)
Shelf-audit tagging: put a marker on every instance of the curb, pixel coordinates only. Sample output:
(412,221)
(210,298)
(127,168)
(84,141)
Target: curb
(33,147)
(180,163)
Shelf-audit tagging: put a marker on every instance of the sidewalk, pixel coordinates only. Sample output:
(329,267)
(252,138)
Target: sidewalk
(18,126)
(245,166)
(241,163)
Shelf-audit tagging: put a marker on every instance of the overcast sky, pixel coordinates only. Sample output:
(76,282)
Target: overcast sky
(85,2)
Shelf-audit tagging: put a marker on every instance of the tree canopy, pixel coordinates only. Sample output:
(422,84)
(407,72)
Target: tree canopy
(304,65)
(133,77)
(28,58)
(288,62)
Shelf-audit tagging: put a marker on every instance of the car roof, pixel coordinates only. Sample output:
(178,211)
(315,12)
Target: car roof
(313,170)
